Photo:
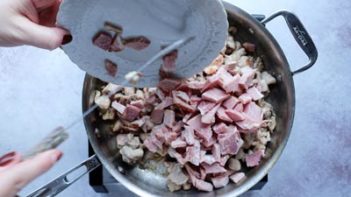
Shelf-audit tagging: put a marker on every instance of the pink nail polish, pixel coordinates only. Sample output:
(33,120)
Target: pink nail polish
(8,158)
(56,157)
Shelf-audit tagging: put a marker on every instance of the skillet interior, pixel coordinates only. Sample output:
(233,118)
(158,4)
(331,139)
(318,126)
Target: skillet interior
(282,97)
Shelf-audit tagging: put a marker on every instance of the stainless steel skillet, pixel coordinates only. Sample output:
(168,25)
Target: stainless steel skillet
(282,97)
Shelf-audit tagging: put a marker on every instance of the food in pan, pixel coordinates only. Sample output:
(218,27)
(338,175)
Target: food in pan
(207,130)
(110,39)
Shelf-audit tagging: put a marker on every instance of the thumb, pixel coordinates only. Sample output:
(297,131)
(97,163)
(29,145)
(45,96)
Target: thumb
(16,177)
(42,36)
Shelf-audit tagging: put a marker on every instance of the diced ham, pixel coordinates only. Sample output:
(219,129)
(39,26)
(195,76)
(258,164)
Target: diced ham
(220,181)
(174,154)
(166,102)
(169,118)
(213,169)
(196,85)
(202,174)
(247,76)
(169,62)
(117,44)
(195,98)
(111,68)
(216,152)
(224,160)
(177,127)
(215,95)
(239,107)
(230,102)
(170,136)
(205,107)
(254,158)
(202,185)
(168,85)
(187,117)
(235,115)
(209,159)
(204,133)
(178,143)
(254,93)
(150,144)
(183,105)
(118,107)
(131,113)
(253,117)
(209,117)
(253,111)
(195,123)
(182,95)
(230,142)
(102,40)
(191,172)
(237,177)
(193,153)
(160,94)
(137,43)
(138,103)
(157,116)
(220,128)
(228,82)
(212,81)
(245,98)
(221,114)
(209,143)
(188,135)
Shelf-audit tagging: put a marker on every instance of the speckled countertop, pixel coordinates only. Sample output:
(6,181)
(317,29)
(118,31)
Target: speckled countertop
(41,89)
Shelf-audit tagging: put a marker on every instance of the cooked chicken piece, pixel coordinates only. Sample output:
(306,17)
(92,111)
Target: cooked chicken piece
(134,142)
(263,136)
(172,187)
(130,155)
(176,175)
(268,78)
(133,77)
(111,89)
(102,101)
(109,114)
(129,91)
(123,139)
(117,126)
(234,164)
(187,186)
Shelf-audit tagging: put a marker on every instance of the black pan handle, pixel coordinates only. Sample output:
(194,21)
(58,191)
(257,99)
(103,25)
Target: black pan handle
(67,179)
(301,36)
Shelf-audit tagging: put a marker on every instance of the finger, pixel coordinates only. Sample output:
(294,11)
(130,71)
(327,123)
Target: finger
(41,36)
(9,160)
(29,10)
(26,171)
(42,4)
(47,17)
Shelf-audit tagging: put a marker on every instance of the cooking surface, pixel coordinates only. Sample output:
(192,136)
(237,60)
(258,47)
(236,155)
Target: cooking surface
(316,160)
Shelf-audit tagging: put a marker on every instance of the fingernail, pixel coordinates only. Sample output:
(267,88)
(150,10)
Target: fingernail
(7,159)
(66,39)
(57,156)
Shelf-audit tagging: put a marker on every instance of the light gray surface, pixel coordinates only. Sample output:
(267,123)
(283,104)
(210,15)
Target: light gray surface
(41,90)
